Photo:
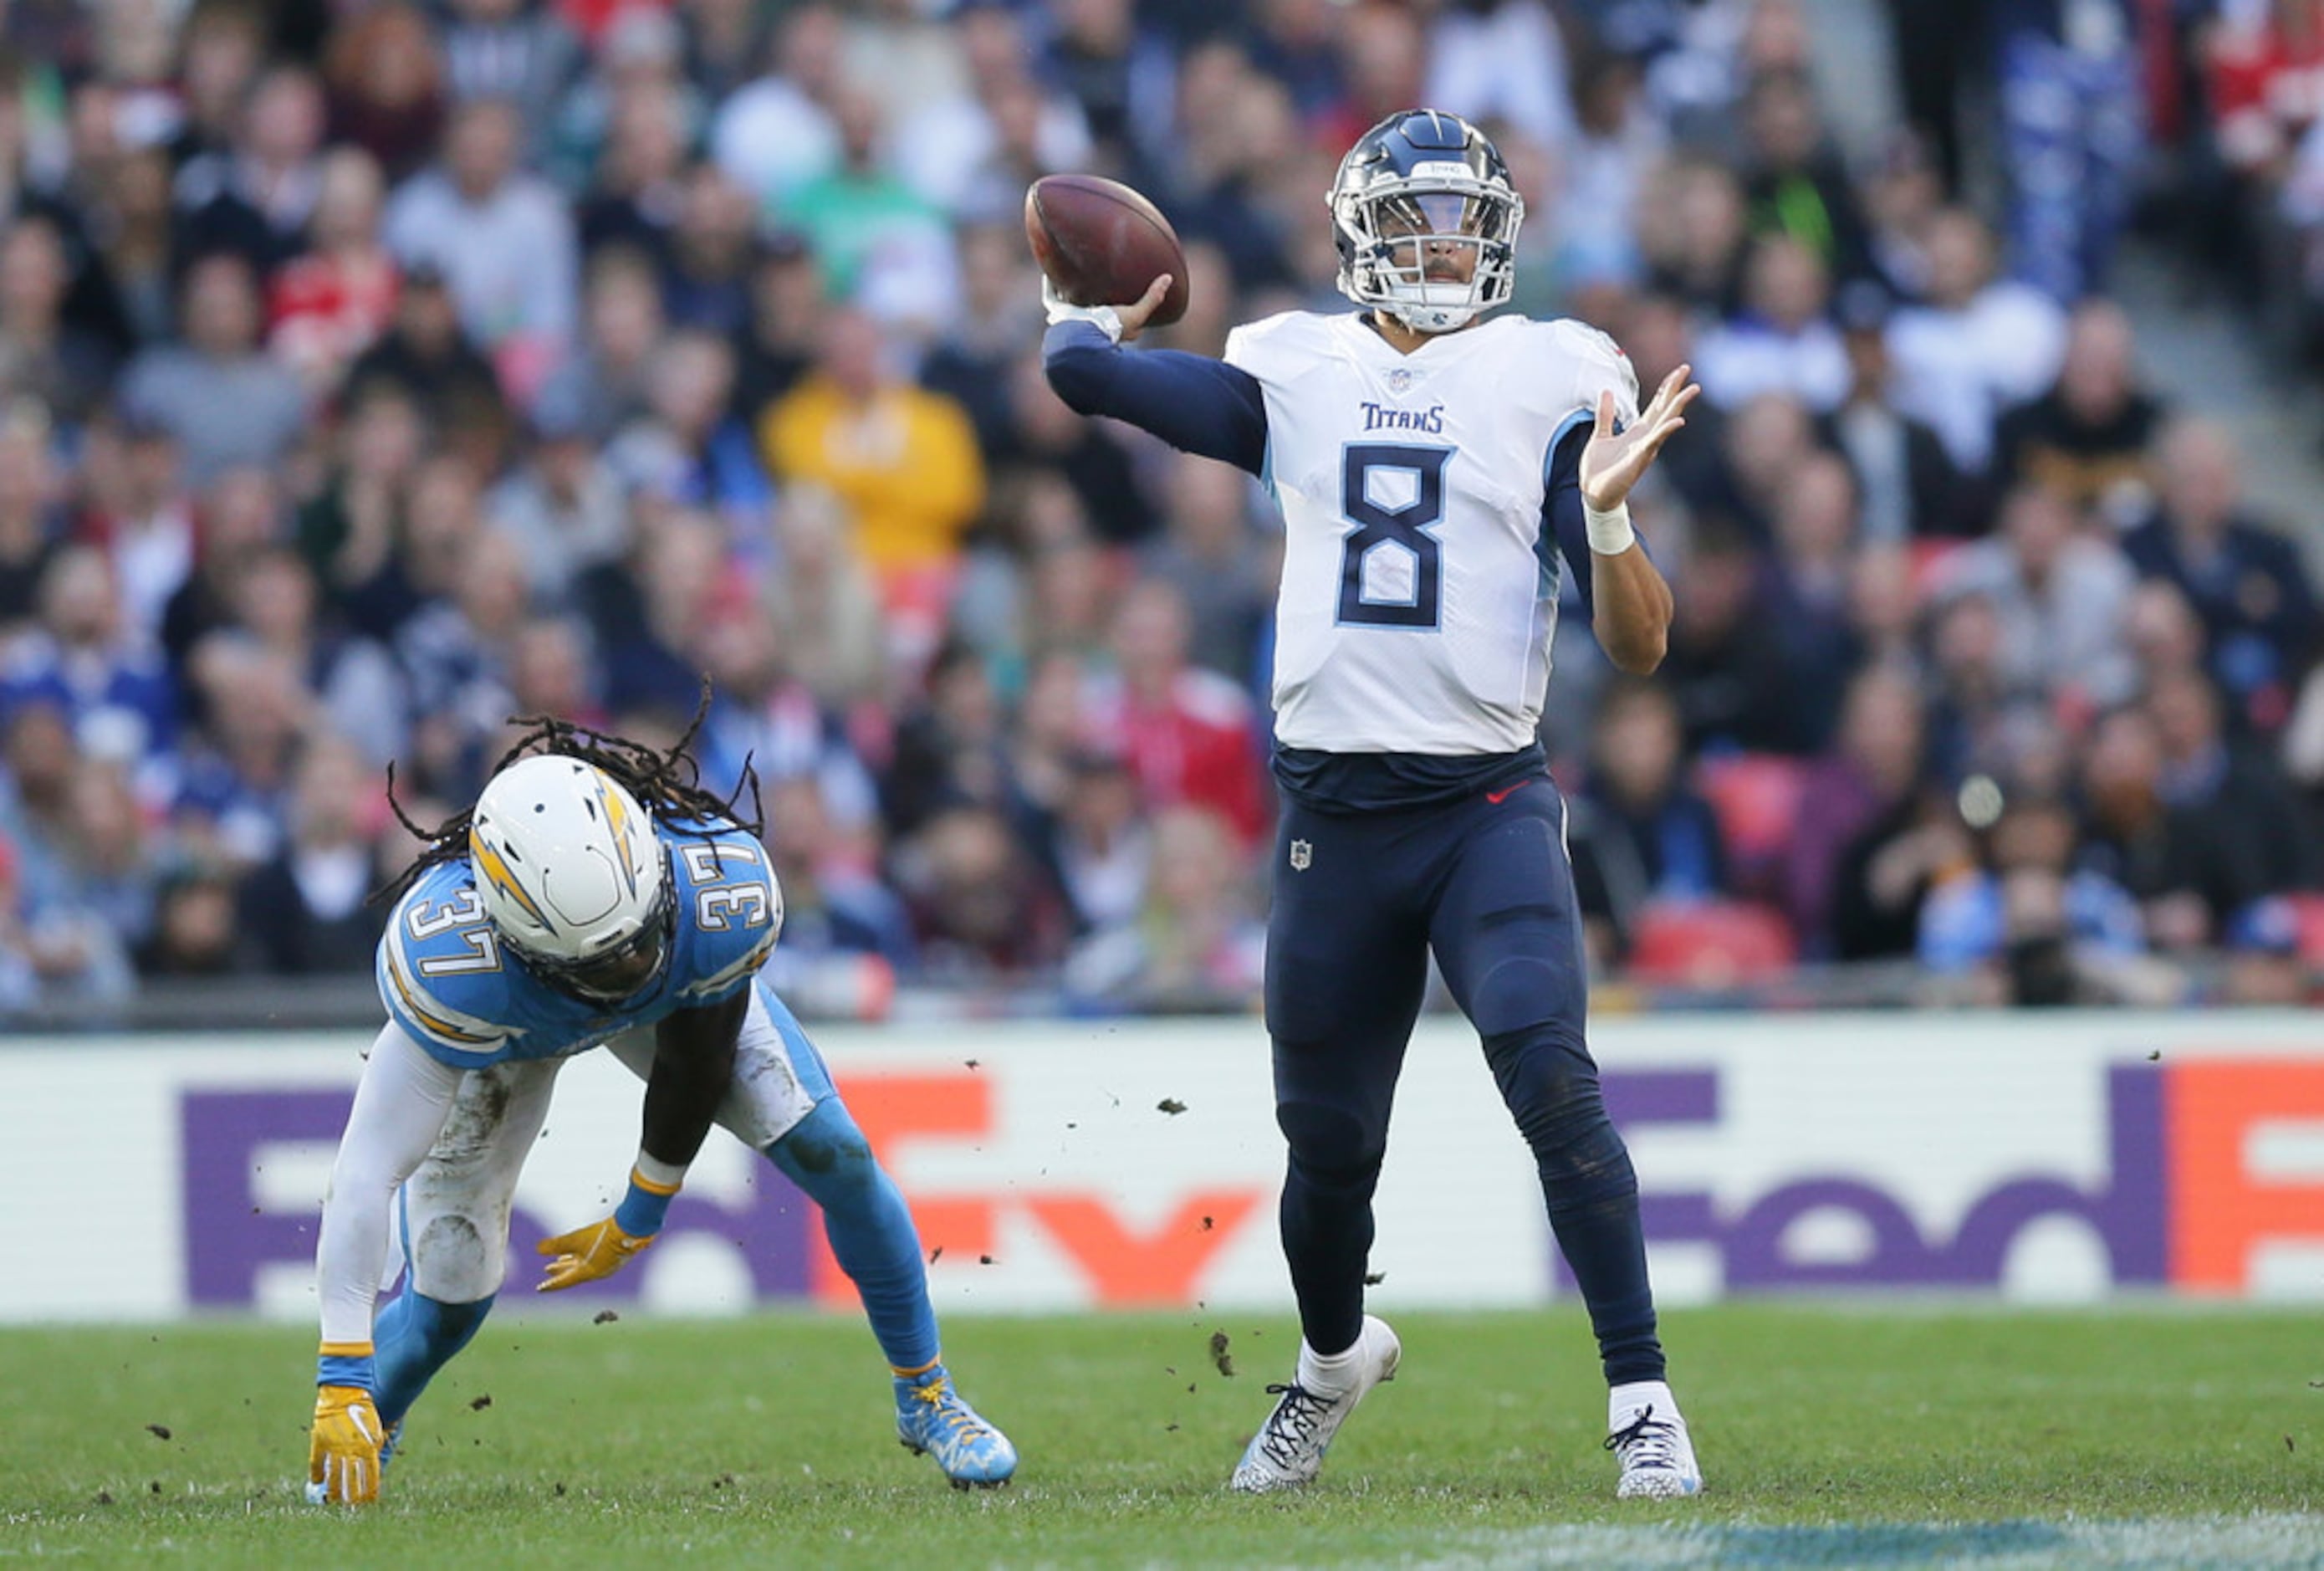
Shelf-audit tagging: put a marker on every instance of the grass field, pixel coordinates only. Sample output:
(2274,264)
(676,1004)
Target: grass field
(1829,1436)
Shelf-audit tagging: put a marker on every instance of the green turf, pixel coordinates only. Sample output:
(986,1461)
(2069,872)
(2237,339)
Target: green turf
(768,1441)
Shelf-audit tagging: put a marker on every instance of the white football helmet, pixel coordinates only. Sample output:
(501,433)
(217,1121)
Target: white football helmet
(1418,184)
(570,872)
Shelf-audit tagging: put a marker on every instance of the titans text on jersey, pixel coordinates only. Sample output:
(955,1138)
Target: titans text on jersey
(447,979)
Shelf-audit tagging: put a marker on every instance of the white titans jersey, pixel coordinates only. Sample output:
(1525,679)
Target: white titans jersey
(1419,592)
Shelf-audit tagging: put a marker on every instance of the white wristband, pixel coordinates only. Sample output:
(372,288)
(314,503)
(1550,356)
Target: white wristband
(1105,317)
(1610,534)
(661,1174)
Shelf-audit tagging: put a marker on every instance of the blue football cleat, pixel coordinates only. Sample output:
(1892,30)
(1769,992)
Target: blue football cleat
(931,1420)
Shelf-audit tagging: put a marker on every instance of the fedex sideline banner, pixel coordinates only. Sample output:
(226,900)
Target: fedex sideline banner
(1075,1165)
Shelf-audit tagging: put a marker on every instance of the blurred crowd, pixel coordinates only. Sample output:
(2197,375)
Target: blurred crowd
(373,371)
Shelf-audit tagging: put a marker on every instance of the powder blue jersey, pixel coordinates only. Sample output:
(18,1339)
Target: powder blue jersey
(449,981)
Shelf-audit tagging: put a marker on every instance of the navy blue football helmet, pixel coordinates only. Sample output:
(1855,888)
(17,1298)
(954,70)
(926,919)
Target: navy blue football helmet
(1421,184)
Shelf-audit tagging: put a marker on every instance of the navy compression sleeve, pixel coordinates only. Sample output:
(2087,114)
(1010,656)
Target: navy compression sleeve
(1191,402)
(1563,527)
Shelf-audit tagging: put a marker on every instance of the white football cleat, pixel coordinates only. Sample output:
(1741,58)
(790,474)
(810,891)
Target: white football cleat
(1649,1436)
(1288,1449)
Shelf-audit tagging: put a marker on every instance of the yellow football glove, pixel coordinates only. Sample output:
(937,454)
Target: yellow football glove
(343,1456)
(587,1254)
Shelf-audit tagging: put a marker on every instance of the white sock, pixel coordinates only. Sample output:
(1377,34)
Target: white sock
(1625,1402)
(1334,1376)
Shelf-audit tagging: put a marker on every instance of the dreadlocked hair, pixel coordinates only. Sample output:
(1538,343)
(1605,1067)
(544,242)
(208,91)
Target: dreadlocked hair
(668,785)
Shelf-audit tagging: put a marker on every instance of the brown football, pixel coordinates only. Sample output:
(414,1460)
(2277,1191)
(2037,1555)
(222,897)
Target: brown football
(1102,243)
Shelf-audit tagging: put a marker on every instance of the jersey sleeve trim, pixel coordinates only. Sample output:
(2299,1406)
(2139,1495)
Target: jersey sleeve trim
(433,1021)
(726,984)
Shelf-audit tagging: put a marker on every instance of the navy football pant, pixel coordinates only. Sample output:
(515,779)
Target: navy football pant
(1360,899)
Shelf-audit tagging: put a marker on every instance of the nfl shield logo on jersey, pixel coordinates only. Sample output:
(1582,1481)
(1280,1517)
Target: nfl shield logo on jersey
(1399,380)
(1302,854)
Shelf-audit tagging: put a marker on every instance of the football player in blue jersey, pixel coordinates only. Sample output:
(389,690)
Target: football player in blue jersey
(1440,471)
(594,895)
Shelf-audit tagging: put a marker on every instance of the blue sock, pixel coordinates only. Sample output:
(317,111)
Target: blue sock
(411,1339)
(870,1228)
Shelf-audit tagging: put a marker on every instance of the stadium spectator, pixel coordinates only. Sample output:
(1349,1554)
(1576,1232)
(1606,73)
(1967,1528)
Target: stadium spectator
(1909,488)
(980,909)
(1975,344)
(902,459)
(135,507)
(1195,945)
(707,279)
(225,400)
(960,151)
(1637,833)
(31,515)
(2258,832)
(2170,857)
(826,603)
(360,691)
(426,354)
(510,51)
(62,940)
(238,515)
(1795,183)
(1186,732)
(84,657)
(1870,776)
(2245,582)
(2091,437)
(1781,340)
(308,910)
(1732,680)
(2061,594)
(1098,845)
(787,305)
(256,196)
(42,354)
(2070,135)
(1212,552)
(384,78)
(1046,434)
(762,714)
(638,184)
(776,133)
(327,305)
(563,505)
(502,239)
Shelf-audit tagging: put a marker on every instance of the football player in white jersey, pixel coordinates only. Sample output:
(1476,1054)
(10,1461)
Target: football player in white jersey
(1439,472)
(594,895)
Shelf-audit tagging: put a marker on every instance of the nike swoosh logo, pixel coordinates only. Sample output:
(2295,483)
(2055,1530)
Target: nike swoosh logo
(1506,793)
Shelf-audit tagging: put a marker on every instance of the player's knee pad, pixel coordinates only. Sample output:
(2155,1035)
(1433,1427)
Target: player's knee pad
(455,1259)
(1332,1147)
(1524,992)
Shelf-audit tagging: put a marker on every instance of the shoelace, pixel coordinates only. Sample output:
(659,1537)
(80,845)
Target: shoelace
(955,1413)
(1293,1423)
(1648,1442)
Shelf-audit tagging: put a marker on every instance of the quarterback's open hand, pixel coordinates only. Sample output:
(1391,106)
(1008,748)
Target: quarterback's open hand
(587,1254)
(1613,460)
(343,1453)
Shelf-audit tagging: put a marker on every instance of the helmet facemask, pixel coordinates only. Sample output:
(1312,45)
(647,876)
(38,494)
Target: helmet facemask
(618,971)
(1402,239)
